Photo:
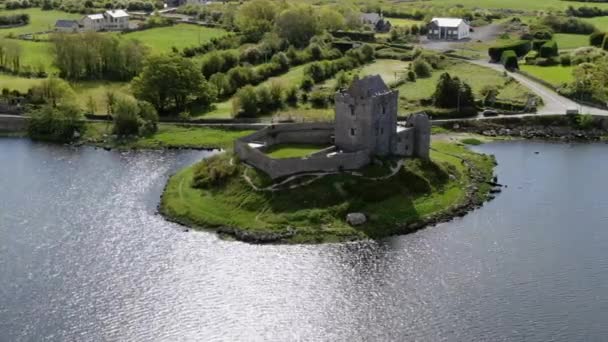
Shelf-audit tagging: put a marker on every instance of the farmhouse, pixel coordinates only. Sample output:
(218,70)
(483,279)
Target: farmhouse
(448,29)
(376,21)
(67,26)
(111,20)
(365,127)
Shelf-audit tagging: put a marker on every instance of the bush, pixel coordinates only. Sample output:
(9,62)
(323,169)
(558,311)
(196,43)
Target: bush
(521,48)
(213,171)
(134,117)
(549,49)
(319,98)
(307,83)
(422,68)
(411,76)
(597,38)
(246,102)
(60,123)
(565,60)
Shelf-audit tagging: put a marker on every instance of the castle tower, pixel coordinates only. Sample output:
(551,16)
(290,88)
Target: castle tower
(366,117)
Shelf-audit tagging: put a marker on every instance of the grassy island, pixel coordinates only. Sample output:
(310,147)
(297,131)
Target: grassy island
(397,196)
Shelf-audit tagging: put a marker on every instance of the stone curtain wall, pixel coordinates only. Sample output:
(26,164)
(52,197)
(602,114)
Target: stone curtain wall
(313,133)
(13,123)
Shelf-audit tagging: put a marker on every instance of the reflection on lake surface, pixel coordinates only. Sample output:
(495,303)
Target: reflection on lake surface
(83,256)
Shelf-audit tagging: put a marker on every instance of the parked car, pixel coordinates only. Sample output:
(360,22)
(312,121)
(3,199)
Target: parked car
(572,111)
(489,112)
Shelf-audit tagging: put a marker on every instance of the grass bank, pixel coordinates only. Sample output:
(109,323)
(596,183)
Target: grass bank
(420,192)
(168,136)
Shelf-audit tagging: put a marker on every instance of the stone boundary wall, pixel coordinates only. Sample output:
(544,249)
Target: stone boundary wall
(307,133)
(13,123)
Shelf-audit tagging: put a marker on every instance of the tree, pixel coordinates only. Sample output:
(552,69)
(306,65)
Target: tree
(331,20)
(134,117)
(172,82)
(60,123)
(422,68)
(255,17)
(297,25)
(54,92)
(453,93)
(245,102)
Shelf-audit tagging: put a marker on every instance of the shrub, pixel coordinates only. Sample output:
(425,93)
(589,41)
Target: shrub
(565,60)
(291,95)
(521,48)
(307,83)
(214,171)
(319,98)
(421,68)
(56,123)
(597,38)
(549,49)
(411,76)
(246,102)
(134,117)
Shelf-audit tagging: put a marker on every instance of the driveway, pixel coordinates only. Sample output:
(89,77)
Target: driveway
(553,102)
(484,33)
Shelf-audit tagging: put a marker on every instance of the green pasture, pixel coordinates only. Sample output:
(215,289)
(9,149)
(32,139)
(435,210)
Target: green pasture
(556,75)
(164,39)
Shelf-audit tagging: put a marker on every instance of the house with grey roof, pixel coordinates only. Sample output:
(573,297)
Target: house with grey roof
(449,29)
(376,21)
(67,26)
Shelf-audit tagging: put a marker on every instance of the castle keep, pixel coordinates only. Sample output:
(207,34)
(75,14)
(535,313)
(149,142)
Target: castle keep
(365,126)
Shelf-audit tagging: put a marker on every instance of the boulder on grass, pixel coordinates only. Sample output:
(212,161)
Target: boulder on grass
(356,219)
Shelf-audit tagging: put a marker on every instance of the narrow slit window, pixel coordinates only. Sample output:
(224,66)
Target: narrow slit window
(352,132)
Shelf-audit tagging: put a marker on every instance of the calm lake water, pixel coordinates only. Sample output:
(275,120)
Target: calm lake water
(84,257)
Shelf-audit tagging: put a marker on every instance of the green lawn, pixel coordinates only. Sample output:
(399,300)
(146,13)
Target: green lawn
(318,210)
(403,22)
(39,20)
(21,84)
(292,150)
(410,93)
(556,75)
(163,39)
(600,22)
(528,5)
(173,135)
(571,41)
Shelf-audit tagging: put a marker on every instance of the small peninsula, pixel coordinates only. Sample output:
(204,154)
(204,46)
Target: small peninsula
(364,176)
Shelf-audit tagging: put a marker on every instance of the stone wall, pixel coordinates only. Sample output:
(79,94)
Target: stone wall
(315,133)
(13,123)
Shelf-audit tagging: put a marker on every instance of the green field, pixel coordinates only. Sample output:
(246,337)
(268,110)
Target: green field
(318,210)
(163,39)
(292,150)
(36,54)
(571,41)
(21,84)
(390,70)
(537,5)
(477,77)
(171,135)
(39,20)
(601,23)
(403,22)
(556,75)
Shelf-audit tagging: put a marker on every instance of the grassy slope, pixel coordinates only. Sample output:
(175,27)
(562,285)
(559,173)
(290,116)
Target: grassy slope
(97,90)
(600,22)
(555,75)
(476,76)
(419,190)
(172,135)
(163,39)
(292,150)
(571,41)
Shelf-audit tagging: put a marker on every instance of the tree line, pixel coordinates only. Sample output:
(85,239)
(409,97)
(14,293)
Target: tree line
(14,19)
(92,56)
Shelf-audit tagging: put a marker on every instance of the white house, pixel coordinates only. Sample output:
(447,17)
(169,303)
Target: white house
(449,29)
(111,20)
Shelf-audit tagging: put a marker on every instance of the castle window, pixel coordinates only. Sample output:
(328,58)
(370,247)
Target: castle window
(352,132)
(383,109)
(352,110)
(381,131)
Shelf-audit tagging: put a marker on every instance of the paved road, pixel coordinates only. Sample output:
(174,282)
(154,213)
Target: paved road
(553,102)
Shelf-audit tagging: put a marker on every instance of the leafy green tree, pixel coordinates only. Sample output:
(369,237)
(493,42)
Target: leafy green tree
(331,20)
(422,68)
(61,123)
(297,25)
(172,82)
(245,102)
(133,117)
(453,93)
(53,91)
(256,17)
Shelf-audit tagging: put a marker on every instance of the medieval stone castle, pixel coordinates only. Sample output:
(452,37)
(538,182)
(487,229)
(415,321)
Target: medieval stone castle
(365,127)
